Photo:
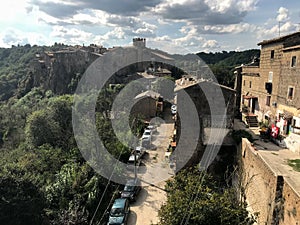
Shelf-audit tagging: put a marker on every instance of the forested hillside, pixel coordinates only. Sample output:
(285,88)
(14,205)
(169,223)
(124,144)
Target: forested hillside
(15,67)
(223,63)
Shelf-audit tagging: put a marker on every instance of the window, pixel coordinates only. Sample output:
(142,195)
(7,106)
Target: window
(293,123)
(250,84)
(270,76)
(244,83)
(272,54)
(293,64)
(268,100)
(290,93)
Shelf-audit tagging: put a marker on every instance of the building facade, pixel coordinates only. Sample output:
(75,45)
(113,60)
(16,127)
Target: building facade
(269,88)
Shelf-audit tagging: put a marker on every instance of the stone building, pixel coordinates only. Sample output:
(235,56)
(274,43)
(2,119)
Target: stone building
(148,104)
(213,119)
(269,88)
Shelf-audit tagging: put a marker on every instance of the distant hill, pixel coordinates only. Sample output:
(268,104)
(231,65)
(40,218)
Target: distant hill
(231,58)
(223,63)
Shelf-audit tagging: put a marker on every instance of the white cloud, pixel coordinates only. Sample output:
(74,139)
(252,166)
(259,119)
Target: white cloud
(211,44)
(230,29)
(224,6)
(72,35)
(283,14)
(11,10)
(12,36)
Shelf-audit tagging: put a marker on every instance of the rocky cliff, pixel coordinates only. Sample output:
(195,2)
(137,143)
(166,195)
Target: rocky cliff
(58,71)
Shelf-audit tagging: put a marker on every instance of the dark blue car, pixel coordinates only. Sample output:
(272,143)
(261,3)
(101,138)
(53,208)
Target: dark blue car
(119,212)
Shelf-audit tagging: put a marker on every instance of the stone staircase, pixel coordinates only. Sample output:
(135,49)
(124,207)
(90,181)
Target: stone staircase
(252,120)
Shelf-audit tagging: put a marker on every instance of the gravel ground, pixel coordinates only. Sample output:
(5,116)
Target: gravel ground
(145,210)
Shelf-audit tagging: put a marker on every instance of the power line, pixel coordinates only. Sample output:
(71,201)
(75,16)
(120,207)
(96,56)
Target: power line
(115,165)
(108,205)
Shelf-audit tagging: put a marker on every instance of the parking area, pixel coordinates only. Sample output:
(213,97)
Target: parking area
(144,211)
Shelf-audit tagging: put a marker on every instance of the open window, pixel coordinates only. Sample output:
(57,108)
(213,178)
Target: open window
(272,54)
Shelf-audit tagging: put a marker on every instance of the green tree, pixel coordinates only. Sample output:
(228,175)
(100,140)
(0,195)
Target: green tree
(193,198)
(21,202)
(42,129)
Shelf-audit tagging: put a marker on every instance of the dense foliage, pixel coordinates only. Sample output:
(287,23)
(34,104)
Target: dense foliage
(15,66)
(223,63)
(43,177)
(194,198)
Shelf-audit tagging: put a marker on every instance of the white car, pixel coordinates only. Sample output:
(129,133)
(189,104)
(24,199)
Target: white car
(152,128)
(133,161)
(146,138)
(139,150)
(147,135)
(174,109)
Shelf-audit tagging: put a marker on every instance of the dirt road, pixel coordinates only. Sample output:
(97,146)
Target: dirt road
(145,210)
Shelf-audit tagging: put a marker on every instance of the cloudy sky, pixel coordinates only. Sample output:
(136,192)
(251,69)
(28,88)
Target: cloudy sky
(177,26)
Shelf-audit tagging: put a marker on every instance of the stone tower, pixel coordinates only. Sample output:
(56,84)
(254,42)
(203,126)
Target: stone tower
(139,42)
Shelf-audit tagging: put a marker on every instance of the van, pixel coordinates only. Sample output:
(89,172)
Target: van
(119,212)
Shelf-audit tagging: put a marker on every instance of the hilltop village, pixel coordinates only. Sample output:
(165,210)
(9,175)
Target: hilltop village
(246,137)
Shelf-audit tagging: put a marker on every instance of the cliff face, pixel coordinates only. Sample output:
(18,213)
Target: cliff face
(58,72)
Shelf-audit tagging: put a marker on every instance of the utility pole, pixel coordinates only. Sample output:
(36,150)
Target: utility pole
(135,170)
(279,28)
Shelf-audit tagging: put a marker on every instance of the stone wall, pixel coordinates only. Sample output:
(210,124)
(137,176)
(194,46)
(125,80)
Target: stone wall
(267,193)
(291,206)
(145,107)
(259,183)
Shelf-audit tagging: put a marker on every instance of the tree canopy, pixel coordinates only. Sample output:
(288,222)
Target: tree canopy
(194,198)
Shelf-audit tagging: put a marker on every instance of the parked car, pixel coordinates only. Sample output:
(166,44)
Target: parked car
(173,109)
(133,161)
(147,134)
(131,189)
(119,212)
(146,138)
(152,128)
(139,150)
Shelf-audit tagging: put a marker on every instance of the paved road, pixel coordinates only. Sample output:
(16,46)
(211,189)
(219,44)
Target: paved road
(144,210)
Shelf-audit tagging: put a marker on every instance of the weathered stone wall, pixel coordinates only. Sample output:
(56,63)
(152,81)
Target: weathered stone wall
(290,78)
(291,206)
(145,106)
(255,79)
(259,183)
(275,59)
(267,193)
(202,95)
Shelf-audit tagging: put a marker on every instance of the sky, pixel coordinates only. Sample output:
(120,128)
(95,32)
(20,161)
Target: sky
(175,26)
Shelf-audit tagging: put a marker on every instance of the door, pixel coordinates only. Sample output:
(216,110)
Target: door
(253,105)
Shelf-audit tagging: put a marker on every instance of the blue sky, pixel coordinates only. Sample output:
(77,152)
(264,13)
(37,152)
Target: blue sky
(177,26)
